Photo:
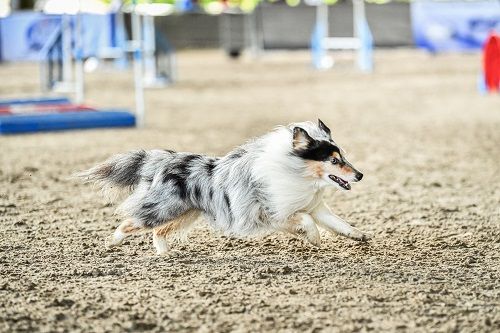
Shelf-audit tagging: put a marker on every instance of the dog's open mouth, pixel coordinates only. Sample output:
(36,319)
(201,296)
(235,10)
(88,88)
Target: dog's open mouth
(344,184)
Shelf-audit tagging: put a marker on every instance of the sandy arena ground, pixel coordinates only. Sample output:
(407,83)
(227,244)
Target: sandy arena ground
(427,143)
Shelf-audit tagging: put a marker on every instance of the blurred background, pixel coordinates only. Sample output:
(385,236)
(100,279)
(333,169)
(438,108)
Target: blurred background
(68,39)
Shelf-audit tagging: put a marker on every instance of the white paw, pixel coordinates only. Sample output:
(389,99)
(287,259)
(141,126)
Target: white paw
(314,239)
(315,242)
(113,241)
(360,236)
(160,244)
(168,253)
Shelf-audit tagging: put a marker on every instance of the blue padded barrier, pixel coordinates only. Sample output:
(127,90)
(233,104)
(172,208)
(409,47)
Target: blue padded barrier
(27,123)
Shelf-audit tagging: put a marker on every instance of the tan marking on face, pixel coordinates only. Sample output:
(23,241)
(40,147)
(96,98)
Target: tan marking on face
(174,225)
(336,155)
(315,168)
(331,169)
(347,170)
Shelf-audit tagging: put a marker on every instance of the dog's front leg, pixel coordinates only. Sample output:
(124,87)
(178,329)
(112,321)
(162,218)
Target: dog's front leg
(326,219)
(303,225)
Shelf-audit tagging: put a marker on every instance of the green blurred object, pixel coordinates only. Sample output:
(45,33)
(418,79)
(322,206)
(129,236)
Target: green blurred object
(292,3)
(247,5)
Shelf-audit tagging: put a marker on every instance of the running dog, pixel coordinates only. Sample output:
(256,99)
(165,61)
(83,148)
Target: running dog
(272,183)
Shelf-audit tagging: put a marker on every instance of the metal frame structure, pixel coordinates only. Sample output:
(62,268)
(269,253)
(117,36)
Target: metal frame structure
(159,62)
(63,70)
(362,41)
(60,73)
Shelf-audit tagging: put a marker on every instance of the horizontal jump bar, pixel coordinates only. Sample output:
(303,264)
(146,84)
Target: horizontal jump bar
(341,43)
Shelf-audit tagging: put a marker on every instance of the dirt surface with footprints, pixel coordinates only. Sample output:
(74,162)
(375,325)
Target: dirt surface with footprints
(426,141)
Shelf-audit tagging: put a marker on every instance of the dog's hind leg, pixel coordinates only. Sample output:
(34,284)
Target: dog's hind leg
(125,229)
(303,225)
(326,219)
(173,228)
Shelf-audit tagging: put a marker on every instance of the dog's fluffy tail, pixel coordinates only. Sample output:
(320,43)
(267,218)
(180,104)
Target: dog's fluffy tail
(121,171)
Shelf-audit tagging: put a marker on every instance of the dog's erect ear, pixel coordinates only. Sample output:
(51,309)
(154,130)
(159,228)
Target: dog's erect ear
(323,127)
(301,139)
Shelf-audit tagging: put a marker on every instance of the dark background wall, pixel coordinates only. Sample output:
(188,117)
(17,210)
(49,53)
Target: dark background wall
(287,27)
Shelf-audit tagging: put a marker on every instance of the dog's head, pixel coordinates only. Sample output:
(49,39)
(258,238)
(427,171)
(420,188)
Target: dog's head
(324,160)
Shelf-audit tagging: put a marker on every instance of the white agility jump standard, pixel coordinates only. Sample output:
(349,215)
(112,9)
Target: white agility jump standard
(361,42)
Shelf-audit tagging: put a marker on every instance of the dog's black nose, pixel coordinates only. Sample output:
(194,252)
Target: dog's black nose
(359,176)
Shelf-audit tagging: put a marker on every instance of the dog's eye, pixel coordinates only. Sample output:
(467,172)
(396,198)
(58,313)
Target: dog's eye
(335,161)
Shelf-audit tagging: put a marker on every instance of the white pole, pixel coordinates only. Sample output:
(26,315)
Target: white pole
(79,88)
(138,66)
(358,13)
(322,17)
(149,49)
(323,60)
(360,26)
(252,33)
(66,42)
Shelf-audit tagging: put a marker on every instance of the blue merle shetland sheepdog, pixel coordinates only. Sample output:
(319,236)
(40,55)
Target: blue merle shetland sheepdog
(271,183)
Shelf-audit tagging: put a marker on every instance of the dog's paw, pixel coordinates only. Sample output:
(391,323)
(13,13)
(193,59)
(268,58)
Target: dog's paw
(366,237)
(360,236)
(169,253)
(315,240)
(112,241)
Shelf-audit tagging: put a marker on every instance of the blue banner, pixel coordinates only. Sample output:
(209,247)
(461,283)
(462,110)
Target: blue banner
(24,34)
(454,25)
